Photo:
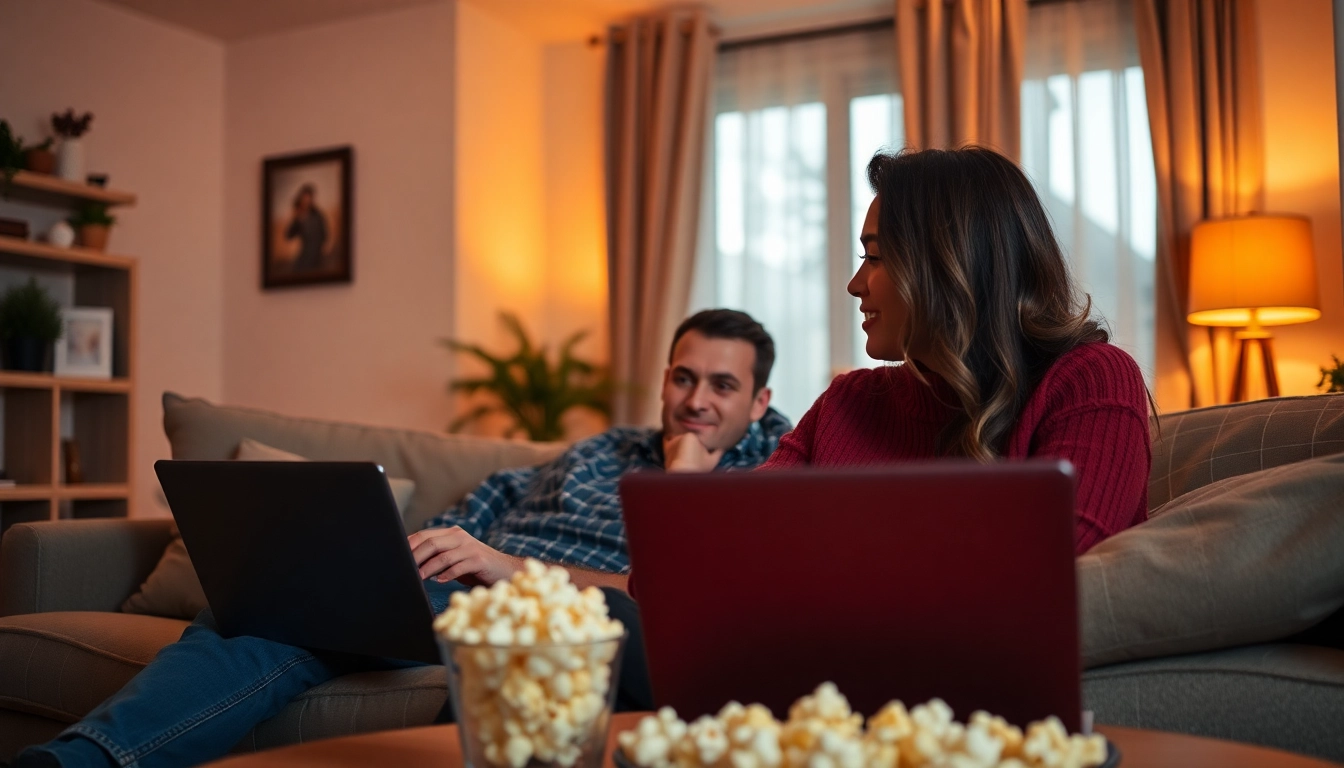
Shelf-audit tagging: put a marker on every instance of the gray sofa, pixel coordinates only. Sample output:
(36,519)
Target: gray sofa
(65,644)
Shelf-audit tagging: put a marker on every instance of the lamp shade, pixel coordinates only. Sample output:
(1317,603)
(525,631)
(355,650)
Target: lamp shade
(1260,263)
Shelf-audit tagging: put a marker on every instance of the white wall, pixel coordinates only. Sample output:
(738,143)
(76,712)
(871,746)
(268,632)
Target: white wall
(365,351)
(157,96)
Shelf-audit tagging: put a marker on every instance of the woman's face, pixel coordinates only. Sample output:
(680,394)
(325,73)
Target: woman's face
(884,311)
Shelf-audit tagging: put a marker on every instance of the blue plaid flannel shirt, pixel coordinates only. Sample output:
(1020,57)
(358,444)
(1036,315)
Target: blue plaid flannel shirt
(568,511)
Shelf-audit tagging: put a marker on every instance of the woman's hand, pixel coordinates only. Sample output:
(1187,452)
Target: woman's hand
(447,554)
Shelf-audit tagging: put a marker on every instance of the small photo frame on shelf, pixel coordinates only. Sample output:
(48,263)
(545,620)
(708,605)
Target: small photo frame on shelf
(306,202)
(85,346)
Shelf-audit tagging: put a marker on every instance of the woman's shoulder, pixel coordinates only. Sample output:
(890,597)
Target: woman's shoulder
(1096,371)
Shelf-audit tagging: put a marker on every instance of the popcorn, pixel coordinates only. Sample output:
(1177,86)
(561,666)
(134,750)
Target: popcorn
(822,732)
(533,671)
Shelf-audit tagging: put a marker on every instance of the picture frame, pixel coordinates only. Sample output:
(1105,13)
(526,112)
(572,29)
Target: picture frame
(85,346)
(306,211)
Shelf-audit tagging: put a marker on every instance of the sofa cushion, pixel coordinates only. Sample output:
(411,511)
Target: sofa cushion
(357,703)
(444,467)
(1249,559)
(1194,448)
(60,665)
(1280,695)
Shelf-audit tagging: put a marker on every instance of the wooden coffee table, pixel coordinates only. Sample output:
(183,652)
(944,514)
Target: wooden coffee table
(437,745)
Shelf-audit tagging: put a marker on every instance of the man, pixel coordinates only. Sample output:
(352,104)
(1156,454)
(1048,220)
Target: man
(202,694)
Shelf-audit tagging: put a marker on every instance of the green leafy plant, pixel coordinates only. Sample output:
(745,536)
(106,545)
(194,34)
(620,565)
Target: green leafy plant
(1332,379)
(92,213)
(11,151)
(529,388)
(27,310)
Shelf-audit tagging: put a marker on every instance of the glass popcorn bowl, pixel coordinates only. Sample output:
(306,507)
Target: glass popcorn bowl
(547,704)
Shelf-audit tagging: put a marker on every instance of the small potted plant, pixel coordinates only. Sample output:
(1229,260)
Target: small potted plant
(14,155)
(1332,378)
(70,155)
(39,158)
(11,151)
(92,222)
(30,322)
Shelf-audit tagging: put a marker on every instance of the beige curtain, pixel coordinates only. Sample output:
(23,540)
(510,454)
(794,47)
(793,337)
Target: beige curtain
(1201,71)
(961,67)
(658,71)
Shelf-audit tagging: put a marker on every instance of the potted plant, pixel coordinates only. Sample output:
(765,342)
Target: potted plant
(92,222)
(14,155)
(30,322)
(39,158)
(528,388)
(11,151)
(1332,378)
(70,155)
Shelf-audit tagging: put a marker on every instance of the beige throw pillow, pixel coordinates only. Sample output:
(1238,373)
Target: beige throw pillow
(173,590)
(251,450)
(1248,559)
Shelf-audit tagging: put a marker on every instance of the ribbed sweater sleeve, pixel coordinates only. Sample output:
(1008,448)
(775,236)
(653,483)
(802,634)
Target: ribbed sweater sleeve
(1093,411)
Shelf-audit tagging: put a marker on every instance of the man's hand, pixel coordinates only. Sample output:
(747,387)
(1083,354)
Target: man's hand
(445,554)
(685,453)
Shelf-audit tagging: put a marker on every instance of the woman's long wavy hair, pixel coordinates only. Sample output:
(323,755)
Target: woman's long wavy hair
(991,305)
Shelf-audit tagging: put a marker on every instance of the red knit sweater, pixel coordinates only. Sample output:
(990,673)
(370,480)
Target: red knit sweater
(1090,408)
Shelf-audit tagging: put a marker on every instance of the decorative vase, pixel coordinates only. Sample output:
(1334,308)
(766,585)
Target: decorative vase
(70,160)
(61,235)
(26,353)
(40,161)
(93,236)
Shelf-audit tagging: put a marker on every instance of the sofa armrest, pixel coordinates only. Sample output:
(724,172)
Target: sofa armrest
(77,565)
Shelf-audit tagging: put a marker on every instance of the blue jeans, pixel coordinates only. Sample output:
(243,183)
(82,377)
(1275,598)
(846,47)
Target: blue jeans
(201,695)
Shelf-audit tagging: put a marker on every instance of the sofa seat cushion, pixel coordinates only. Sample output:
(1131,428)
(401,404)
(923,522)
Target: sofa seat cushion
(358,703)
(1278,695)
(60,665)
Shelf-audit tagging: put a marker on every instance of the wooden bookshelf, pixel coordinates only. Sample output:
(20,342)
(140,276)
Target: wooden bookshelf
(42,409)
(50,190)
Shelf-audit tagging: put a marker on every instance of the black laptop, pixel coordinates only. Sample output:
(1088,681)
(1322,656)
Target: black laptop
(311,554)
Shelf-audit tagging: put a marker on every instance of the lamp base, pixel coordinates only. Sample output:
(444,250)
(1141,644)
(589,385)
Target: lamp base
(1267,355)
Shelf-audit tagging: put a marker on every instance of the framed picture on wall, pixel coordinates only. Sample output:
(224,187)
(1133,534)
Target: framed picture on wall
(305,219)
(85,346)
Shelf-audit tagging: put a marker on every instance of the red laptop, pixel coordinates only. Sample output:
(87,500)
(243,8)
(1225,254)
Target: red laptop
(949,580)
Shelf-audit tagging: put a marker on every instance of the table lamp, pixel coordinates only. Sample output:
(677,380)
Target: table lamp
(1250,272)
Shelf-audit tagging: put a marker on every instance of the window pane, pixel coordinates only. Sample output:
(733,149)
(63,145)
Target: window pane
(875,123)
(770,178)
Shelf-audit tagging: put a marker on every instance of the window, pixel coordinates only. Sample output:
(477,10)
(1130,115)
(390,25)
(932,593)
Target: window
(1086,145)
(795,123)
(794,126)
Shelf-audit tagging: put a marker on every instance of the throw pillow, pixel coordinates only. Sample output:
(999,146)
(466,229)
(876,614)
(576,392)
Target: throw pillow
(251,450)
(1248,559)
(172,588)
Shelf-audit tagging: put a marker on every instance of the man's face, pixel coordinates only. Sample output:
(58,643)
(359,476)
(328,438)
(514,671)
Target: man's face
(707,390)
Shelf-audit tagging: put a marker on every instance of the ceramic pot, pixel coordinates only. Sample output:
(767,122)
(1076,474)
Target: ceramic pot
(26,353)
(70,160)
(93,236)
(40,161)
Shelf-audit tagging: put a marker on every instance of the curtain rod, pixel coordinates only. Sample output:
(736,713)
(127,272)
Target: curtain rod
(887,22)
(803,34)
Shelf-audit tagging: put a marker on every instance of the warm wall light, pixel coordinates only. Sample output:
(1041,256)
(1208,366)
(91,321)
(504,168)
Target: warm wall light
(1250,272)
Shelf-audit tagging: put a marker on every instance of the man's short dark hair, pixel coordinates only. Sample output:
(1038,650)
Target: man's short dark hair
(732,324)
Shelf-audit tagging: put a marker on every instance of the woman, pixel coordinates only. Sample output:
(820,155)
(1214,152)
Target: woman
(962,281)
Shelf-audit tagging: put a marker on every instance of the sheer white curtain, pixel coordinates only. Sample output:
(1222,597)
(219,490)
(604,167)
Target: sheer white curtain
(794,125)
(1086,145)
